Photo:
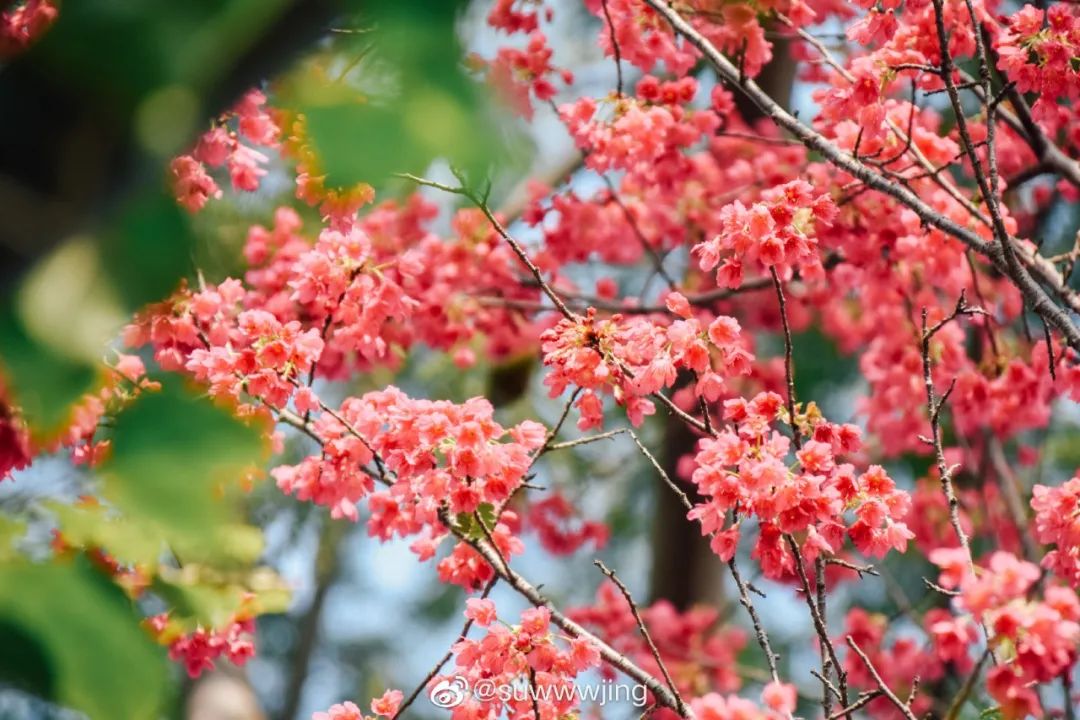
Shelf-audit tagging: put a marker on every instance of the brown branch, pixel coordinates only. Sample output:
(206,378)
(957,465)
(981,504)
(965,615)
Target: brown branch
(934,407)
(554,432)
(614,48)
(828,650)
(864,699)
(789,370)
(679,492)
(744,588)
(586,440)
(1031,290)
(644,632)
(900,704)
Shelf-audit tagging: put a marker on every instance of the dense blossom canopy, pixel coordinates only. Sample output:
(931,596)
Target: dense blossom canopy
(903,221)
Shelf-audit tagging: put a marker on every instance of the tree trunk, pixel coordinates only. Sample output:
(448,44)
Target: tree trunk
(685,570)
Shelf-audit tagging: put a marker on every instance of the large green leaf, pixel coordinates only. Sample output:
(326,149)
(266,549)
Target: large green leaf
(396,96)
(42,381)
(71,636)
(148,249)
(177,462)
(128,540)
(55,326)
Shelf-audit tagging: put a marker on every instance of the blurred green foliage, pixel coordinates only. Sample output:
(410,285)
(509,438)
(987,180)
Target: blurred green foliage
(175,457)
(71,636)
(124,52)
(46,382)
(139,80)
(390,94)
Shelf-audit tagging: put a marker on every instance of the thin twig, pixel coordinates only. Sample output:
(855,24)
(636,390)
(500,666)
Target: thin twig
(482,205)
(586,440)
(644,631)
(813,140)
(789,370)
(934,407)
(900,704)
(828,650)
(864,699)
(446,658)
(614,48)
(679,492)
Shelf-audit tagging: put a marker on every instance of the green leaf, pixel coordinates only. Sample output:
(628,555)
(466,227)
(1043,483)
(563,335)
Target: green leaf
(467,525)
(42,381)
(149,249)
(92,526)
(399,97)
(177,461)
(64,621)
(486,513)
(203,595)
(470,523)
(11,532)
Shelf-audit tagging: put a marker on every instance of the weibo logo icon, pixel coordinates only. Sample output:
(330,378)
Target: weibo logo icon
(449,692)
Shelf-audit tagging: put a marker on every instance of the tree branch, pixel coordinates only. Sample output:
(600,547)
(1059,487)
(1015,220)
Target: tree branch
(813,140)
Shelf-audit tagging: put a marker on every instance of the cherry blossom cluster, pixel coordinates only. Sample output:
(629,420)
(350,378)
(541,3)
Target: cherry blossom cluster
(221,146)
(631,358)
(643,129)
(518,16)
(201,648)
(338,285)
(1038,50)
(385,706)
(1057,522)
(744,471)
(1035,640)
(520,75)
(23,24)
(236,352)
(465,286)
(512,655)
(777,232)
(644,39)
(560,531)
(364,282)
(433,457)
